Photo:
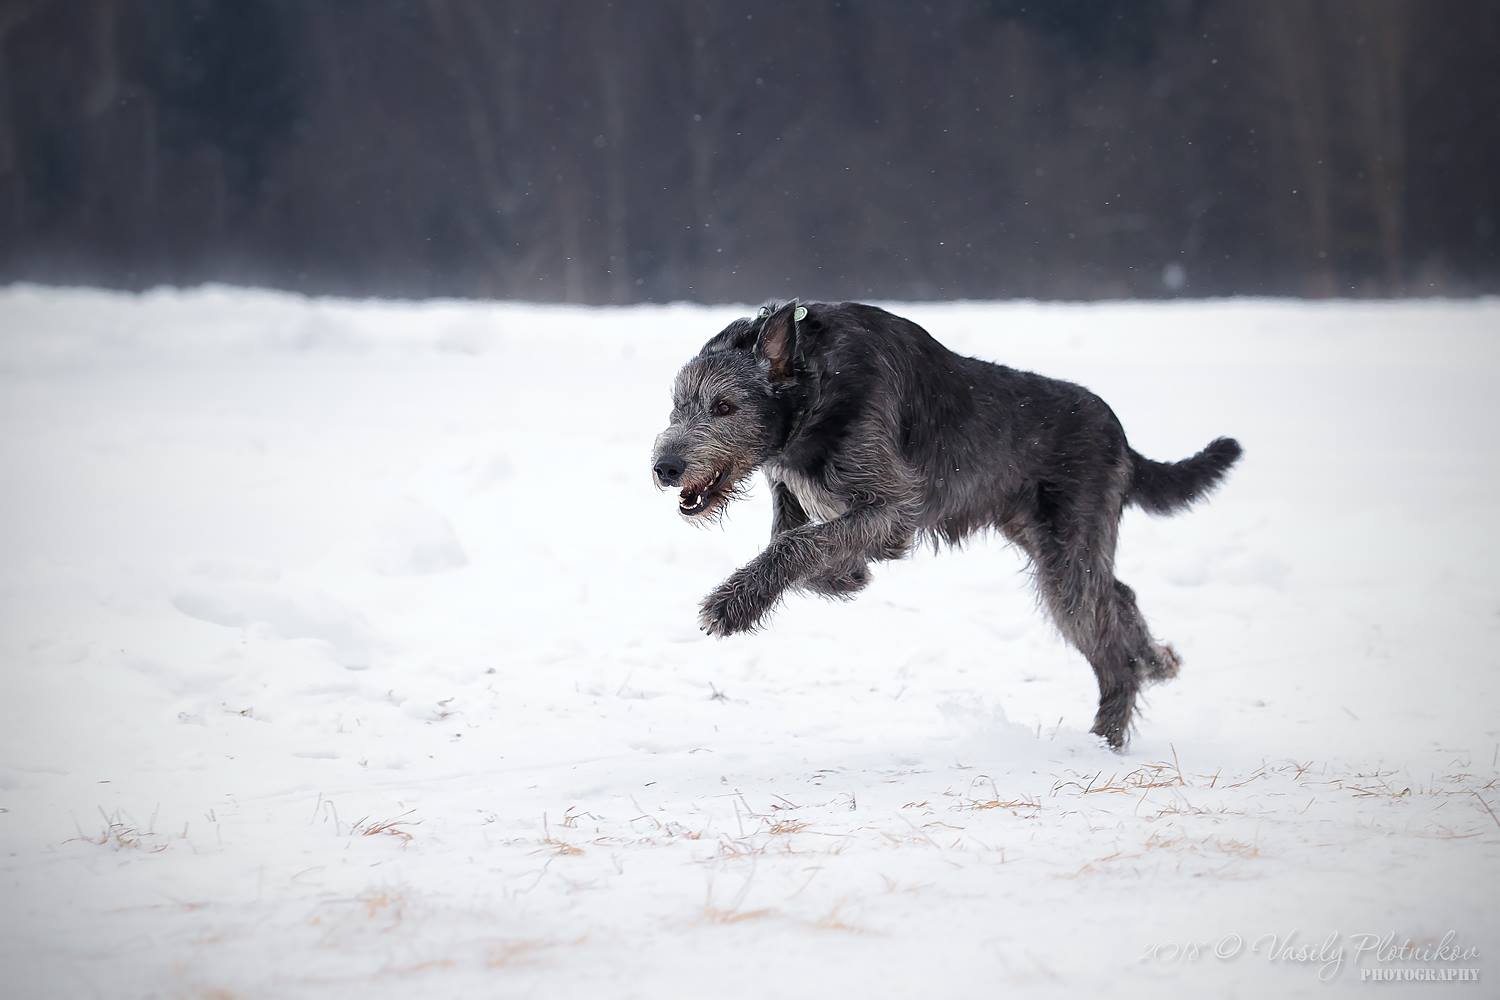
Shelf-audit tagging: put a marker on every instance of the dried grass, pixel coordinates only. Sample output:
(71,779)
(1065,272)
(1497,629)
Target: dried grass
(395,827)
(786,827)
(554,846)
(120,835)
(714,915)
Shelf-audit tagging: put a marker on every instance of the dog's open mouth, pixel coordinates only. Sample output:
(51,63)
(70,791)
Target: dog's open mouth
(700,498)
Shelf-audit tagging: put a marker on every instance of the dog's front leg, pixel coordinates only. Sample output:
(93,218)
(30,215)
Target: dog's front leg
(739,603)
(809,550)
(836,581)
(786,512)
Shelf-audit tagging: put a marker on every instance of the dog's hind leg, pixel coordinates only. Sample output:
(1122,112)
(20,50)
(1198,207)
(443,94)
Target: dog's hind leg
(1078,590)
(1125,657)
(1072,552)
(1162,662)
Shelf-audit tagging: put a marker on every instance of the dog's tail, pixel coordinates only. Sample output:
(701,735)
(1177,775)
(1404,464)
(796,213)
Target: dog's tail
(1167,487)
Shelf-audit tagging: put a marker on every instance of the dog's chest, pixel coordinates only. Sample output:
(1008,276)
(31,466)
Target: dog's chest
(814,497)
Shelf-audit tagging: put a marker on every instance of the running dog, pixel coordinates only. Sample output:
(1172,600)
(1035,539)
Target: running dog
(873,435)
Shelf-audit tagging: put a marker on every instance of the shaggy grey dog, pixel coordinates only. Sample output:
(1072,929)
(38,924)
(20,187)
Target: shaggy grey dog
(873,434)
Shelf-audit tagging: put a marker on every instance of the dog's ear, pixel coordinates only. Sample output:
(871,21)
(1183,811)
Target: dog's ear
(777,342)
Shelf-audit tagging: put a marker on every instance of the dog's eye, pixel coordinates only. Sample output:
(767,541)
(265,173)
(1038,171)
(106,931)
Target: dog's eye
(723,408)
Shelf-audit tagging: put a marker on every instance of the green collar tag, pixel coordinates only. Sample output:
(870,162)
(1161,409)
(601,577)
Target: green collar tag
(798,315)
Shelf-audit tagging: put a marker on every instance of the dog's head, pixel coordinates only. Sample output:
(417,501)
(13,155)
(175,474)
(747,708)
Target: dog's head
(730,411)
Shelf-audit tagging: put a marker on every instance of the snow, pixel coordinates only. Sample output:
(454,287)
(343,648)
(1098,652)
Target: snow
(346,647)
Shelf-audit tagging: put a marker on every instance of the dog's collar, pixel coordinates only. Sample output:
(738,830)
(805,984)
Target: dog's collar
(798,316)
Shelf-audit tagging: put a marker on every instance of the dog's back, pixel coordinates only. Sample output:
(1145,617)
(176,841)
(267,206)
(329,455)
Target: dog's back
(976,432)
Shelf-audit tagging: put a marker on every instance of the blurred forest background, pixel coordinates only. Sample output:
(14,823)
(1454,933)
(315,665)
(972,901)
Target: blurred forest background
(681,149)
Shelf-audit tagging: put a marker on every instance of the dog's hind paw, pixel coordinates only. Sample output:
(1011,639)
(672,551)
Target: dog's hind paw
(1114,734)
(1165,665)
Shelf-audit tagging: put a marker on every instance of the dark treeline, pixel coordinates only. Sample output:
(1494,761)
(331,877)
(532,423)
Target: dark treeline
(685,149)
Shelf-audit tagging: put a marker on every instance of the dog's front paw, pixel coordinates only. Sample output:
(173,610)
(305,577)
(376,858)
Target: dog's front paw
(845,582)
(736,606)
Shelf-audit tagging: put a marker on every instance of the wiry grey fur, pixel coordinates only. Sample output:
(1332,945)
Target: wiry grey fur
(873,435)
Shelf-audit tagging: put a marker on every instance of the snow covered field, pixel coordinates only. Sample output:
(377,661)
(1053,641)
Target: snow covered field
(346,650)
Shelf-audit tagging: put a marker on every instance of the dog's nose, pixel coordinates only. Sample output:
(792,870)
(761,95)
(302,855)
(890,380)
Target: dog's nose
(669,469)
